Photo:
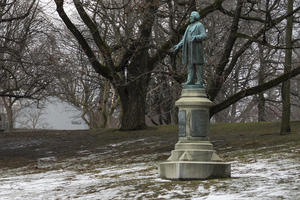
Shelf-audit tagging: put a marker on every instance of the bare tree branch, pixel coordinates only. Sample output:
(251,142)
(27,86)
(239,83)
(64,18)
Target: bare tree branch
(253,90)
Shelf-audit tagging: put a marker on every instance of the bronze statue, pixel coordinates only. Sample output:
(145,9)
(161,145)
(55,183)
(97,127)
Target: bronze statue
(192,49)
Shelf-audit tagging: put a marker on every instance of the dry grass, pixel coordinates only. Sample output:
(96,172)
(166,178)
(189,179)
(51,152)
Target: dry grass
(26,148)
(127,161)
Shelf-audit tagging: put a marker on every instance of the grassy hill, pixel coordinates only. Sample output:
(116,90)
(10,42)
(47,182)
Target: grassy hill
(22,148)
(256,137)
(111,164)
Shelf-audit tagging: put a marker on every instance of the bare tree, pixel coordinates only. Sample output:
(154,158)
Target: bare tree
(286,99)
(240,39)
(131,23)
(25,53)
(77,83)
(33,119)
(120,39)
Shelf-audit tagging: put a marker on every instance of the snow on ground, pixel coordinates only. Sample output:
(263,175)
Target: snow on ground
(274,177)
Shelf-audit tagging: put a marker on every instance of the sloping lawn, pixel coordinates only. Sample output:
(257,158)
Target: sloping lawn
(108,164)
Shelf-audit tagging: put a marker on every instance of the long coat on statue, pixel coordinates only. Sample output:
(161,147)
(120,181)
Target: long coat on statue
(195,49)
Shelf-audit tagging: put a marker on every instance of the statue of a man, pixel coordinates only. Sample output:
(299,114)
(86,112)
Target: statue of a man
(192,49)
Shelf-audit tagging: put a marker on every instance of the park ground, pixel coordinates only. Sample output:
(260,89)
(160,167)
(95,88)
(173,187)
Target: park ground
(109,164)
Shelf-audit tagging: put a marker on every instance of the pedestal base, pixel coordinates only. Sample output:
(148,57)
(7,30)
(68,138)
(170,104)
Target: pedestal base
(193,170)
(193,157)
(192,160)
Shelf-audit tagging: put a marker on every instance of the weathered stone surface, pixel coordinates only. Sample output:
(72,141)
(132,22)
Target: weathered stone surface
(195,106)
(200,123)
(193,86)
(189,170)
(182,123)
(204,145)
(194,157)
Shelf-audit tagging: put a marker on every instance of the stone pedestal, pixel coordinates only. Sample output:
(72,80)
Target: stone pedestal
(193,157)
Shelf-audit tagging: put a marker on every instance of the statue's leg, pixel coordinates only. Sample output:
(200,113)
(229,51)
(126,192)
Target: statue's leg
(191,75)
(200,74)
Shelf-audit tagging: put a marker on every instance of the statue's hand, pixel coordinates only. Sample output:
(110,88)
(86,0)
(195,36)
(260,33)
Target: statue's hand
(176,47)
(193,38)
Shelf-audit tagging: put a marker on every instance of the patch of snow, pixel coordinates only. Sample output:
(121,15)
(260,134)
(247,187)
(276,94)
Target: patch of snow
(125,143)
(259,178)
(47,159)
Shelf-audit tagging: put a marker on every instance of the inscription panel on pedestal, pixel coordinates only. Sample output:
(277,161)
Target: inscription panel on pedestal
(182,123)
(200,123)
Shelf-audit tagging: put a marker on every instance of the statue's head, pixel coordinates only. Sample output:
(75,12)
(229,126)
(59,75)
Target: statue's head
(195,15)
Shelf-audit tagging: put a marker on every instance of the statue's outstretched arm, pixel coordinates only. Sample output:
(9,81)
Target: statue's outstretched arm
(177,46)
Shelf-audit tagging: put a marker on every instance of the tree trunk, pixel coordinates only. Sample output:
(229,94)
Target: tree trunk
(133,94)
(261,98)
(104,104)
(9,113)
(133,102)
(10,119)
(286,104)
(261,107)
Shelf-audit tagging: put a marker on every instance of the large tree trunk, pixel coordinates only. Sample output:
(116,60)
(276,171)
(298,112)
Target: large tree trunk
(133,94)
(133,101)
(133,111)
(286,104)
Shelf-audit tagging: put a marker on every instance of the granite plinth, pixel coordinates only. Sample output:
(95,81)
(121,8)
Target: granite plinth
(193,86)
(188,170)
(194,157)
